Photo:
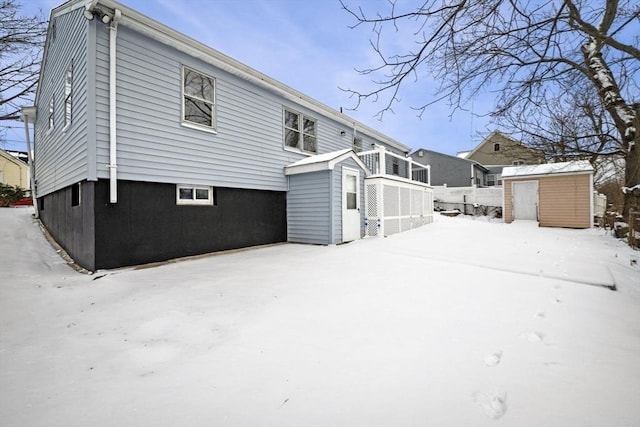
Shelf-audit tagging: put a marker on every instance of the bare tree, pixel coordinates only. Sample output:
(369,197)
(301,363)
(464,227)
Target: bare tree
(529,52)
(21,41)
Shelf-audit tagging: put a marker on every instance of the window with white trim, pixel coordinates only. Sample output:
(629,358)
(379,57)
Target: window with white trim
(51,115)
(517,162)
(195,195)
(300,132)
(68,81)
(198,99)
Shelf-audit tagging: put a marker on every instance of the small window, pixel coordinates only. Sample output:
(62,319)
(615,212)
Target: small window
(198,100)
(195,195)
(395,166)
(496,147)
(300,132)
(518,162)
(357,144)
(51,115)
(68,80)
(75,194)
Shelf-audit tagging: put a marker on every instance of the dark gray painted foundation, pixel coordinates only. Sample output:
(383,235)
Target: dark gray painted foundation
(146,225)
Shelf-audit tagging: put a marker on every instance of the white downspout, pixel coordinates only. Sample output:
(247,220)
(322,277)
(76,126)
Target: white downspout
(27,114)
(113,178)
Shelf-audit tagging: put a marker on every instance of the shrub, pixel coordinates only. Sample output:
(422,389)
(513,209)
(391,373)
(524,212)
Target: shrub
(10,194)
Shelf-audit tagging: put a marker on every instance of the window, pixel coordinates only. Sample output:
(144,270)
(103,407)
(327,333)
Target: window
(75,194)
(68,79)
(357,144)
(51,122)
(300,132)
(518,162)
(198,100)
(494,179)
(496,147)
(395,166)
(195,195)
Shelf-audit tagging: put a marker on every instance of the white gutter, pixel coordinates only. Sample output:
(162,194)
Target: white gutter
(27,114)
(113,178)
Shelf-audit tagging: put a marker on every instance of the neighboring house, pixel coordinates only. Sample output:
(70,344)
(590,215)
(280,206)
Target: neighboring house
(554,194)
(450,170)
(150,145)
(13,171)
(499,150)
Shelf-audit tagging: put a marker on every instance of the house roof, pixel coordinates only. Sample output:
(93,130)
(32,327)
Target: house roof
(184,43)
(579,166)
(470,153)
(322,162)
(454,158)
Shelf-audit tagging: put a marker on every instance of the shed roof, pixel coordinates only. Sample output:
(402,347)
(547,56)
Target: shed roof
(578,166)
(322,162)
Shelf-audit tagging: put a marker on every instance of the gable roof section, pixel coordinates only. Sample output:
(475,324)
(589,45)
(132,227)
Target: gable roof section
(415,156)
(323,162)
(575,167)
(184,43)
(489,139)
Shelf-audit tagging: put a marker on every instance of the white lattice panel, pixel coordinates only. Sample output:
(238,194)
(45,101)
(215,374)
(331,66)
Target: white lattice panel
(372,201)
(390,201)
(405,201)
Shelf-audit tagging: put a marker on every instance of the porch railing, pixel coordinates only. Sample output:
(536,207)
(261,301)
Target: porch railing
(383,162)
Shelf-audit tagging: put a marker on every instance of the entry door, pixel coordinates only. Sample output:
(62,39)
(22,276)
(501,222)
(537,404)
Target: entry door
(525,200)
(350,205)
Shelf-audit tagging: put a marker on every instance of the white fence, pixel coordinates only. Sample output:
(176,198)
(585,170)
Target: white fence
(395,205)
(467,199)
(599,205)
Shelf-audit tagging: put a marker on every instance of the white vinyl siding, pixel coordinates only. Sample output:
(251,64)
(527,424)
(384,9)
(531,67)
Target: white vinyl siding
(63,152)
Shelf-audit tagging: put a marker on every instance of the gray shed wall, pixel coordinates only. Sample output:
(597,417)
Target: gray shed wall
(308,208)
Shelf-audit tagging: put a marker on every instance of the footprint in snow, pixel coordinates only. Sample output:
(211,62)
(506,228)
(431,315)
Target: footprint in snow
(534,336)
(493,359)
(493,404)
(540,314)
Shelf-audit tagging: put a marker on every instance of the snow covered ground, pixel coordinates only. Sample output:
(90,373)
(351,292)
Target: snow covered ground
(459,323)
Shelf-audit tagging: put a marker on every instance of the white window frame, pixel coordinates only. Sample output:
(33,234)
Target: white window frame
(301,118)
(51,116)
(195,125)
(68,91)
(517,162)
(206,202)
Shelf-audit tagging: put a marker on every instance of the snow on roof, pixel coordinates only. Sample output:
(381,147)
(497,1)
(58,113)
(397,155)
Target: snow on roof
(320,158)
(463,154)
(324,161)
(547,169)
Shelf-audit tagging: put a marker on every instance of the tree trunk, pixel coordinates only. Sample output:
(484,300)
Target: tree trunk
(632,170)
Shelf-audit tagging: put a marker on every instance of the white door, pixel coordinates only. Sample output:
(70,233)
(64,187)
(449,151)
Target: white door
(350,205)
(525,200)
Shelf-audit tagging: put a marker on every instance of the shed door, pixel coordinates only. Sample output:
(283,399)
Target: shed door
(350,205)
(525,200)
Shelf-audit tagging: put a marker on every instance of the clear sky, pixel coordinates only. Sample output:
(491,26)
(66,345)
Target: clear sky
(308,45)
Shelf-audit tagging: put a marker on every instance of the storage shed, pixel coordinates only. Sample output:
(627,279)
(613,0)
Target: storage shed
(554,194)
(325,201)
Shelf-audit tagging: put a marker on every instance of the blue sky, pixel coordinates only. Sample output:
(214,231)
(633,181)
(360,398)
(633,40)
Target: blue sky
(309,46)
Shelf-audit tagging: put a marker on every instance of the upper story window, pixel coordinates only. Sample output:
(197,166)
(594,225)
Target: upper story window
(51,113)
(68,81)
(300,132)
(518,162)
(496,147)
(198,99)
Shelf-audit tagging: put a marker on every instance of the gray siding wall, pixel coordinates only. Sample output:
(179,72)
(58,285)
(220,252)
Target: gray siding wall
(61,154)
(449,170)
(308,209)
(337,199)
(246,151)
